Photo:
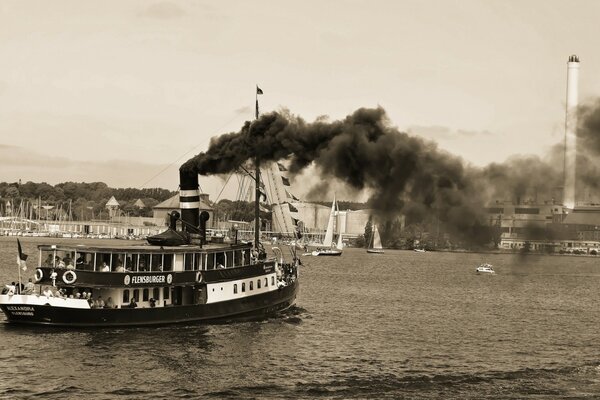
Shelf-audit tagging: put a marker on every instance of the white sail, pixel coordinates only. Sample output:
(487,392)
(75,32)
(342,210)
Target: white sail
(328,241)
(339,245)
(376,238)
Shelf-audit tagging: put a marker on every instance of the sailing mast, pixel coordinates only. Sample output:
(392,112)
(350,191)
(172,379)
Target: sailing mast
(257,190)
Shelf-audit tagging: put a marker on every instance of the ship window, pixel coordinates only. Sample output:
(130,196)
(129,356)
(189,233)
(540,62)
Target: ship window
(258,283)
(131,262)
(84,261)
(210,261)
(238,261)
(266,282)
(101,259)
(243,287)
(117,262)
(235,288)
(220,258)
(168,262)
(272,281)
(126,296)
(156,293)
(156,262)
(166,293)
(144,262)
(229,259)
(136,295)
(251,286)
(48,258)
(198,261)
(145,295)
(188,261)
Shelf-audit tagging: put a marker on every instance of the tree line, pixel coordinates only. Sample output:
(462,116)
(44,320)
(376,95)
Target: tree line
(75,200)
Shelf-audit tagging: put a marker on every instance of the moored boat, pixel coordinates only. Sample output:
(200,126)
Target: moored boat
(485,268)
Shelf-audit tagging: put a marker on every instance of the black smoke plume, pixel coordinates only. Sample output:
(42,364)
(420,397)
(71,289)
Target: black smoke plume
(404,174)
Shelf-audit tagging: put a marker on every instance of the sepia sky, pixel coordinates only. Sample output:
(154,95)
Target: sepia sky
(116,91)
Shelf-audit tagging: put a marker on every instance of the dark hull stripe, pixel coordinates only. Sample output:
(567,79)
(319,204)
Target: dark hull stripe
(189,199)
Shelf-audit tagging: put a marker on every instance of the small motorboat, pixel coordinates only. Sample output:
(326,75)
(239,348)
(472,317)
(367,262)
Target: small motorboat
(485,268)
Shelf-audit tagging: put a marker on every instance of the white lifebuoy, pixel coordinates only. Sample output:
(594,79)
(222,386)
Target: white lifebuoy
(199,277)
(39,275)
(69,277)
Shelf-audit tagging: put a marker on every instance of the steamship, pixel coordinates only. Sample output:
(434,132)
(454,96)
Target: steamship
(176,277)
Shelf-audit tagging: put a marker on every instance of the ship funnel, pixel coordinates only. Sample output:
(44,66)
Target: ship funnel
(189,200)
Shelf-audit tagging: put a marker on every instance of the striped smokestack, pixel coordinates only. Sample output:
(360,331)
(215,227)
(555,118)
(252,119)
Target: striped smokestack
(189,200)
(570,131)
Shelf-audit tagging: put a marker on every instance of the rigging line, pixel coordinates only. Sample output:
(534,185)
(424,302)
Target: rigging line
(223,188)
(184,154)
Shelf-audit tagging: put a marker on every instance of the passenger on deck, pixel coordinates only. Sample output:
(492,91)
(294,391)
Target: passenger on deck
(59,263)
(152,302)
(109,303)
(132,303)
(142,266)
(105,267)
(29,287)
(220,266)
(68,260)
(49,261)
(120,269)
(9,289)
(48,292)
(99,302)
(79,261)
(70,264)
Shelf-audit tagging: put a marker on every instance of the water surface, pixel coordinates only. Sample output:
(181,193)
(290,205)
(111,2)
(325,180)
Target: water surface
(397,325)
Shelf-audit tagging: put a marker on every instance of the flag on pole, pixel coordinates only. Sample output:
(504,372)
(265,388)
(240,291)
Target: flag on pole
(281,167)
(258,90)
(291,196)
(285,181)
(21,257)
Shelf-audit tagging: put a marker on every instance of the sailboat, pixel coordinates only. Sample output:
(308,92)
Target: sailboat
(328,248)
(375,242)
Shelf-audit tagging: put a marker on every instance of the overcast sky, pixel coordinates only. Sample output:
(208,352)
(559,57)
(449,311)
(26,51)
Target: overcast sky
(115,91)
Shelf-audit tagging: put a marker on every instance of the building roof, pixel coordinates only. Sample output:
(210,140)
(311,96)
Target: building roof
(172,203)
(112,202)
(139,203)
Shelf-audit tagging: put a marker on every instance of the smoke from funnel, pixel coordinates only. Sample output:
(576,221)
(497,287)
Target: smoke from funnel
(404,174)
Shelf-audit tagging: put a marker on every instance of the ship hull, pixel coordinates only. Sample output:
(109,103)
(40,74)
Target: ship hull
(249,307)
(375,251)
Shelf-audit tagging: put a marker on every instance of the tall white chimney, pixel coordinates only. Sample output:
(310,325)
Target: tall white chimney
(570,131)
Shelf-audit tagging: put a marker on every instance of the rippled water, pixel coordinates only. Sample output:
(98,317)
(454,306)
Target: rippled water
(398,325)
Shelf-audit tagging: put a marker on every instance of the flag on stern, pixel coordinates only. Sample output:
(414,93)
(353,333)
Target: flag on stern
(258,90)
(21,257)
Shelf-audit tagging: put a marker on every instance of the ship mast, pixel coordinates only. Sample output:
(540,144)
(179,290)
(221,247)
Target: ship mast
(257,181)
